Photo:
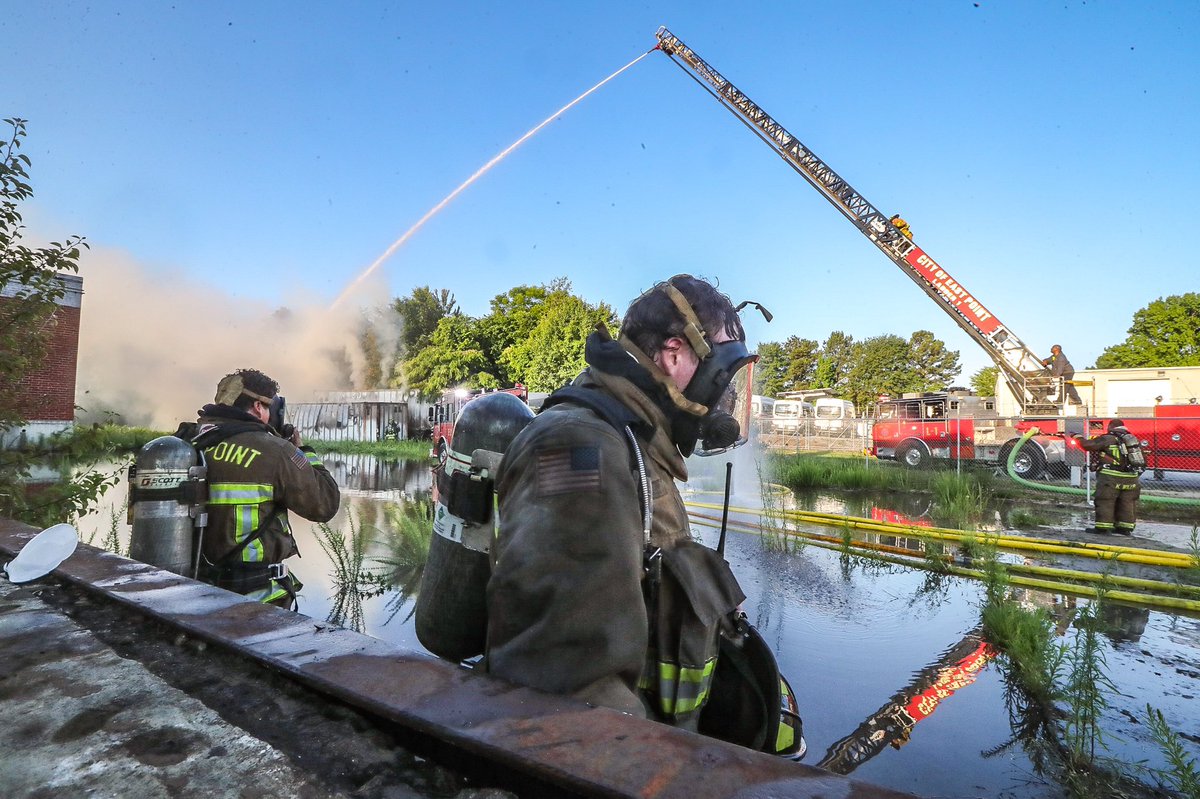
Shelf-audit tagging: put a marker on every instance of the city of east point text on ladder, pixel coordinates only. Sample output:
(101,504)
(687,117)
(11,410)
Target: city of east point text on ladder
(952,291)
(483,170)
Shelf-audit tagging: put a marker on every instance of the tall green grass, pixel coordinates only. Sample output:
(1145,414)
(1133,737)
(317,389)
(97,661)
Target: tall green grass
(802,471)
(773,527)
(112,533)
(407,450)
(1057,694)
(1025,519)
(1184,775)
(1087,685)
(805,471)
(1025,635)
(96,439)
(960,500)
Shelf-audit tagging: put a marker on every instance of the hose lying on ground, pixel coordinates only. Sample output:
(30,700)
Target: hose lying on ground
(1072,490)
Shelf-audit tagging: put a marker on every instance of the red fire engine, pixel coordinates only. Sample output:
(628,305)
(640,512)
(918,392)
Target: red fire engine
(917,430)
(444,413)
(956,425)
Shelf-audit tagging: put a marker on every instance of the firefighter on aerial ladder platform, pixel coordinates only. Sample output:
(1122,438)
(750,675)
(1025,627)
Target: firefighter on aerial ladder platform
(1061,367)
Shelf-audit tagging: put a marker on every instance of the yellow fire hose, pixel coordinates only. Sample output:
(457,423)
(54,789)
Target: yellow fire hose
(1037,571)
(1145,600)
(1020,543)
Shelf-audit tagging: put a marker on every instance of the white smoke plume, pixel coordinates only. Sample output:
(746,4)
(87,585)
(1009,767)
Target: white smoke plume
(154,342)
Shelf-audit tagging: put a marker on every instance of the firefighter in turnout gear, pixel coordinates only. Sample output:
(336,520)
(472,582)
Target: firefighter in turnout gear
(255,476)
(597,589)
(1117,486)
(1061,367)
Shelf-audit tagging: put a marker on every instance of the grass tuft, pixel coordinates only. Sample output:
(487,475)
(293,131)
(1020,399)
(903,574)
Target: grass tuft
(407,450)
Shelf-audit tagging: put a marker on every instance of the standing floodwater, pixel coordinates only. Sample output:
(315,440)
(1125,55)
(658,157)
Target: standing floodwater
(892,675)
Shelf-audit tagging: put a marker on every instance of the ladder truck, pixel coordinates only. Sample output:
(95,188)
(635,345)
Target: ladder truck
(1040,395)
(1030,381)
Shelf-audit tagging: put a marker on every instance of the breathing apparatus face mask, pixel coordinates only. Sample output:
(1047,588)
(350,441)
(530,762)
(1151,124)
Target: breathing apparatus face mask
(278,415)
(712,386)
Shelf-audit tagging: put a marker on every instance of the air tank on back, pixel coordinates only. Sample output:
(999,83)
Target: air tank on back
(166,504)
(451,607)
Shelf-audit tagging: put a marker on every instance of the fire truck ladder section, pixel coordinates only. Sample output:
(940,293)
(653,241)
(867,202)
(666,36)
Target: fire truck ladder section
(1029,380)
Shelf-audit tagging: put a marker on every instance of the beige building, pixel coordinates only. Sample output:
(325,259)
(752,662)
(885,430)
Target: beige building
(1124,392)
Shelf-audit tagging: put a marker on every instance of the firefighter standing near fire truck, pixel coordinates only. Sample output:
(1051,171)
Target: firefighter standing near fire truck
(567,612)
(1117,486)
(255,476)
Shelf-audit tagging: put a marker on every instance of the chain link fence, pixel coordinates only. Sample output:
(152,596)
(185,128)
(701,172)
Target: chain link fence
(915,438)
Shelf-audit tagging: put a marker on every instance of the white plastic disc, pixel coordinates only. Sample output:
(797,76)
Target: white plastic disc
(43,553)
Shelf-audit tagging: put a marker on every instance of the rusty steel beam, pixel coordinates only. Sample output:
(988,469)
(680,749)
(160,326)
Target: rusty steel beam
(586,750)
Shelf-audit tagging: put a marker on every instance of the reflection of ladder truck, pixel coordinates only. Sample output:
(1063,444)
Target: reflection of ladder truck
(892,724)
(1038,393)
(444,413)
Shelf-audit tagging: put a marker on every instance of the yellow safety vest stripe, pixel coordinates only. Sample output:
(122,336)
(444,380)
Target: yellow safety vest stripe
(239,493)
(247,499)
(785,736)
(684,689)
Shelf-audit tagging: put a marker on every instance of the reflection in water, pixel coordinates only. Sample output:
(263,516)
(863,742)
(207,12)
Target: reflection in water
(373,477)
(892,724)
(1124,623)
(346,558)
(1032,727)
(399,533)
(407,530)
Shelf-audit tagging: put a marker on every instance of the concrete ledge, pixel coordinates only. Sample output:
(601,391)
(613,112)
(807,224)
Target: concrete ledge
(585,750)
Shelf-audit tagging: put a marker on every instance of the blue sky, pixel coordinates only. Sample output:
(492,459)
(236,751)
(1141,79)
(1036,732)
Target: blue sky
(1044,153)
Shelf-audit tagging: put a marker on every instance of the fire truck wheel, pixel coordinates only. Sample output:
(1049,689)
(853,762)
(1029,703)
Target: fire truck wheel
(1030,462)
(913,454)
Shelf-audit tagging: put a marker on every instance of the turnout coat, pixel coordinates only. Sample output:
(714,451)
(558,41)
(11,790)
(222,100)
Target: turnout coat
(254,479)
(573,575)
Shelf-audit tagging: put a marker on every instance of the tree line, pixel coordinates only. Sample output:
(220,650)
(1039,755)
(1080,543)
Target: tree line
(534,335)
(860,371)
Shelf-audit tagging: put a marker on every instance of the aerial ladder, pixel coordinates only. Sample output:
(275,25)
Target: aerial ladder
(1038,393)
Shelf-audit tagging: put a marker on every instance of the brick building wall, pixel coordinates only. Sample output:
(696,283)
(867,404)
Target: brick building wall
(47,396)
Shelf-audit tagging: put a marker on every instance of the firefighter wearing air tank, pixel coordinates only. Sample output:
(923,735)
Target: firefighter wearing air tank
(1118,462)
(255,476)
(597,589)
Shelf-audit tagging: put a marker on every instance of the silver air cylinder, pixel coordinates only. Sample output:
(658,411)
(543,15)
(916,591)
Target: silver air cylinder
(166,504)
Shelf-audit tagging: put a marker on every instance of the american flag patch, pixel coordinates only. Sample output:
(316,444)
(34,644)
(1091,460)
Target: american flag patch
(567,471)
(299,458)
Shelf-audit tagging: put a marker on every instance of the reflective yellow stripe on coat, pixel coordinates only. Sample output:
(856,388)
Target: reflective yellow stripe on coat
(248,499)
(683,690)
